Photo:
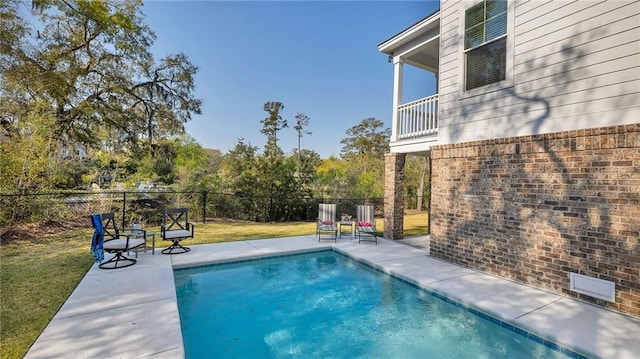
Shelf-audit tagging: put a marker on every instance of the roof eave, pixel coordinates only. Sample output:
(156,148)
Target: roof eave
(390,45)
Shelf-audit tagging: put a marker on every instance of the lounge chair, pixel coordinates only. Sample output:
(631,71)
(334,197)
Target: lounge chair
(366,224)
(327,221)
(107,238)
(175,227)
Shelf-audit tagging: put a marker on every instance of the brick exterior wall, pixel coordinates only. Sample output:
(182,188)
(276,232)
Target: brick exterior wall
(535,208)
(394,195)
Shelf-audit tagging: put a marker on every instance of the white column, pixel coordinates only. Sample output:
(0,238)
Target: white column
(397,95)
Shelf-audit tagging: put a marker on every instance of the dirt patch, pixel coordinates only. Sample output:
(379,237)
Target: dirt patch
(33,231)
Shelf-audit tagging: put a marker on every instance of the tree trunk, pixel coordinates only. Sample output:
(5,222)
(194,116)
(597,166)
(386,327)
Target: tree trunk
(423,174)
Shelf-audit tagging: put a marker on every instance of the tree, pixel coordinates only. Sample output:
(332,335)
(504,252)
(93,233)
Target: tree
(271,126)
(364,151)
(307,161)
(163,164)
(240,171)
(80,63)
(331,177)
(366,142)
(165,96)
(366,185)
(416,177)
(191,158)
(270,186)
(302,121)
(239,167)
(91,63)
(13,102)
(239,174)
(421,186)
(25,166)
(24,161)
(89,74)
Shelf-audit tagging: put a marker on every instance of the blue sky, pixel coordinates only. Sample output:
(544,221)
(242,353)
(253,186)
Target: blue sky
(319,58)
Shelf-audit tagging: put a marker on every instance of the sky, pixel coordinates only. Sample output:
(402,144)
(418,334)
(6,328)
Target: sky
(319,58)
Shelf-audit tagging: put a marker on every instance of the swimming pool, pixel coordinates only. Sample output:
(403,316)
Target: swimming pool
(325,305)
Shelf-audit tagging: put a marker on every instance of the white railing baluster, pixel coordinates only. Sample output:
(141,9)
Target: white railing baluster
(418,118)
(430,116)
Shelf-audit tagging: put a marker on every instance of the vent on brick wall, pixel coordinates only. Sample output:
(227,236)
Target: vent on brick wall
(594,287)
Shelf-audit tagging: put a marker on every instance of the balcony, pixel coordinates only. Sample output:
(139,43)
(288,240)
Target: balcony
(417,118)
(414,124)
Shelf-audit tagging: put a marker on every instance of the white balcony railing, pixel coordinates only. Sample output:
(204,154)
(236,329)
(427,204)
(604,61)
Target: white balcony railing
(418,118)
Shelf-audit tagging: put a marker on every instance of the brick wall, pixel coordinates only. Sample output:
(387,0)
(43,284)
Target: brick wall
(535,208)
(394,195)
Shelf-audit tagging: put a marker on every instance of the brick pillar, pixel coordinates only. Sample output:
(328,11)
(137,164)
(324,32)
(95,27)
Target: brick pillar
(394,195)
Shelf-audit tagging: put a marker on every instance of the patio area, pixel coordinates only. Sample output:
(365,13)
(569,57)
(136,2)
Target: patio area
(133,313)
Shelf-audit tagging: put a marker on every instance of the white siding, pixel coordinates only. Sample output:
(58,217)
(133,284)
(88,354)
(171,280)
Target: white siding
(576,64)
(449,47)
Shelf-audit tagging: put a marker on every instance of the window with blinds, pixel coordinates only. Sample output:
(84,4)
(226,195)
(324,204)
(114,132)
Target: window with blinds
(485,43)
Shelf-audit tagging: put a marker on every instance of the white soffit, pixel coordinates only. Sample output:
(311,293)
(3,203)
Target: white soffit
(411,33)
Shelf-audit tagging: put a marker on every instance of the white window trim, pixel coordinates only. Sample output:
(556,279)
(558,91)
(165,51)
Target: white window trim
(462,59)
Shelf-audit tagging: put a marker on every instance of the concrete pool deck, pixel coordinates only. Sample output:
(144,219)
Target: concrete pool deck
(132,312)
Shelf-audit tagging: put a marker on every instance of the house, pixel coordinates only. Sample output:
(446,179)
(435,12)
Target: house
(533,140)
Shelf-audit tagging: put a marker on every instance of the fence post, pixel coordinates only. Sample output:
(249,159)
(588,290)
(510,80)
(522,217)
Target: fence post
(204,207)
(124,209)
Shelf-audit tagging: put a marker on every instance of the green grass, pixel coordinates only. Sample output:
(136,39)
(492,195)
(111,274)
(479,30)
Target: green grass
(37,276)
(415,224)
(35,279)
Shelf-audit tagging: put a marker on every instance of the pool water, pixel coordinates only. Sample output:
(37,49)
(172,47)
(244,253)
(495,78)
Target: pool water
(325,305)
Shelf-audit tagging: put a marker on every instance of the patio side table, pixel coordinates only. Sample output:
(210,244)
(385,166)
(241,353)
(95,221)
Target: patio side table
(144,234)
(348,224)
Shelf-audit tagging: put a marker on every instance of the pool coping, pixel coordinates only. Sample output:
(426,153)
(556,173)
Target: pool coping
(132,312)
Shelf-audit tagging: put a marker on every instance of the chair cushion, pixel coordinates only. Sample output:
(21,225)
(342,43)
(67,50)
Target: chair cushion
(121,243)
(177,233)
(327,222)
(369,229)
(364,224)
(327,227)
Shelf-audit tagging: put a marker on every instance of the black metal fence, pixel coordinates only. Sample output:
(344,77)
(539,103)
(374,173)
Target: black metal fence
(146,206)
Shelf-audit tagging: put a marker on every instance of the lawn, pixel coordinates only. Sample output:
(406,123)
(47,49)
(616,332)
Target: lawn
(38,275)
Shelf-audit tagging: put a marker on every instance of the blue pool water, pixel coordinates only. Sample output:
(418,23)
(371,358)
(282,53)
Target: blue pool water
(325,305)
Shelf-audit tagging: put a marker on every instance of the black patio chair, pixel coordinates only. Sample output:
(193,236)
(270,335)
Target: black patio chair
(175,227)
(117,243)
